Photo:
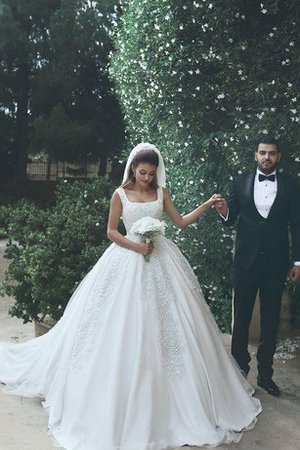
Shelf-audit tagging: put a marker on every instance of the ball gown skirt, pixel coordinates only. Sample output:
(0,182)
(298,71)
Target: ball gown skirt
(137,361)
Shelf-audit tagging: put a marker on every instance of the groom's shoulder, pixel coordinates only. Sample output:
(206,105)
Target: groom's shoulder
(286,176)
(243,176)
(289,179)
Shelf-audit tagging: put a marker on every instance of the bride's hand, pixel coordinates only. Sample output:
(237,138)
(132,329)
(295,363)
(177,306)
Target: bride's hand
(146,248)
(215,198)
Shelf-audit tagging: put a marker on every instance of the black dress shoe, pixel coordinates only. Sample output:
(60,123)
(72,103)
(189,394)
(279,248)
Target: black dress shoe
(269,386)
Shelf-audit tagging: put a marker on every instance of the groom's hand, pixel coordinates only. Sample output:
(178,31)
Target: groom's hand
(294,274)
(221,206)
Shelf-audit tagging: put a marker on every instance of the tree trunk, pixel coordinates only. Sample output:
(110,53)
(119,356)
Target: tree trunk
(102,165)
(21,136)
(22,86)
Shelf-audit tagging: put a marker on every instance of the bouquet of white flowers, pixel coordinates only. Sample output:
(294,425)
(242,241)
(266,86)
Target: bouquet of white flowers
(148,228)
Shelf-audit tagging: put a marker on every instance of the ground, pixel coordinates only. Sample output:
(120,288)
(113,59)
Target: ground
(24,421)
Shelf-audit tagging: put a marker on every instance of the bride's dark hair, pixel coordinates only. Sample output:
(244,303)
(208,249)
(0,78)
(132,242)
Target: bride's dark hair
(143,156)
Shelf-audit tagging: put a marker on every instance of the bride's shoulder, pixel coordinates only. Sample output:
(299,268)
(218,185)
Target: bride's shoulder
(165,192)
(127,189)
(162,194)
(118,194)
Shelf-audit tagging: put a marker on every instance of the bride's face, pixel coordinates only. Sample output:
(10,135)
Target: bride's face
(144,174)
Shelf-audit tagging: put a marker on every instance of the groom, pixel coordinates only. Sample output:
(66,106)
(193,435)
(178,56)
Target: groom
(267,205)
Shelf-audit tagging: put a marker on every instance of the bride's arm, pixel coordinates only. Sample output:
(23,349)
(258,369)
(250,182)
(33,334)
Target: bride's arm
(187,219)
(114,235)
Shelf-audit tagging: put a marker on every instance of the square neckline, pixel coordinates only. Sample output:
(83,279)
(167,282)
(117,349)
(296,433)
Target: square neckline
(141,203)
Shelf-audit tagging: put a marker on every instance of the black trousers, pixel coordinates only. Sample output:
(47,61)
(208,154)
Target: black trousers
(269,281)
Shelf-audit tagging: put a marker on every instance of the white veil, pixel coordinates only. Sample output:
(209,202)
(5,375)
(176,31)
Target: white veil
(160,173)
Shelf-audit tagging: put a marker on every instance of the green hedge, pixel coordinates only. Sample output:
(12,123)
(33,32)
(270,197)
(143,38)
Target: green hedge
(50,251)
(202,80)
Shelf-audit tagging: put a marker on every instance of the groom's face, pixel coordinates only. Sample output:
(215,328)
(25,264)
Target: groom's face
(267,157)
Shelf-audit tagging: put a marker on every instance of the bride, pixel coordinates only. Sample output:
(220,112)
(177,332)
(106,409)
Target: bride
(137,361)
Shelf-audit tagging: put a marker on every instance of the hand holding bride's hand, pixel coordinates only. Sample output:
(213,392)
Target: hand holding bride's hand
(220,205)
(215,200)
(294,274)
(146,248)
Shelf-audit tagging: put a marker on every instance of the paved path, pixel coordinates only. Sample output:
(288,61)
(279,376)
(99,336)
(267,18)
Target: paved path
(23,422)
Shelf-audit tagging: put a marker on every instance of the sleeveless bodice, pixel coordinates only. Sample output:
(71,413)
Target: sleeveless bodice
(133,211)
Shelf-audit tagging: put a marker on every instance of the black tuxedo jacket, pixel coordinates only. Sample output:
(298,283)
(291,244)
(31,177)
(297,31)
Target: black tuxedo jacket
(271,235)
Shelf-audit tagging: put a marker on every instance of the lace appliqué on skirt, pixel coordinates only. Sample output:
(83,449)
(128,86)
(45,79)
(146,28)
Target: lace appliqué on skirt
(160,294)
(94,312)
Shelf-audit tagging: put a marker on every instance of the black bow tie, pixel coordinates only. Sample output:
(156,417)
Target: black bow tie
(265,177)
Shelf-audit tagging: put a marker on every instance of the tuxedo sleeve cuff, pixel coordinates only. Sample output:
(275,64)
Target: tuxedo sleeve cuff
(297,263)
(226,217)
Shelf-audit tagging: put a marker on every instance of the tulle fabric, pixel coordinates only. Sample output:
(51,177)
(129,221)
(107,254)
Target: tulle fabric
(137,361)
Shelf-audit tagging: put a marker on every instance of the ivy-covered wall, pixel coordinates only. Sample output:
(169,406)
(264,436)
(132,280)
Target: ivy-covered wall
(202,80)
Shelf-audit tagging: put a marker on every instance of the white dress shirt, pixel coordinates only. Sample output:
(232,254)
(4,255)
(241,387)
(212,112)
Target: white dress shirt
(264,194)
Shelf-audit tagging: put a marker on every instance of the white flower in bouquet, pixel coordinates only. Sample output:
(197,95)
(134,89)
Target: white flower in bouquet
(148,227)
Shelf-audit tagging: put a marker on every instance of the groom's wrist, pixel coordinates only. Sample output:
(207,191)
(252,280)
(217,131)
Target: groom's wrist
(225,215)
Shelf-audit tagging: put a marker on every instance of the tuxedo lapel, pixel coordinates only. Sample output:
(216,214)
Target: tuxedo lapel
(279,196)
(249,191)
(249,186)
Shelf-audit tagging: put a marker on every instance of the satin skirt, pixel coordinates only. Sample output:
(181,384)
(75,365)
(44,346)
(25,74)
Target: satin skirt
(137,361)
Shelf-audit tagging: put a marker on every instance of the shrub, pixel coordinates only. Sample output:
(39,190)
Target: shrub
(4,221)
(50,251)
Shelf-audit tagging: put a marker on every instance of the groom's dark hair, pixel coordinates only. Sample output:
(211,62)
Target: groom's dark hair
(267,140)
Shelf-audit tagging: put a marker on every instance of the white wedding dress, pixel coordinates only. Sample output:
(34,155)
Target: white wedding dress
(137,361)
